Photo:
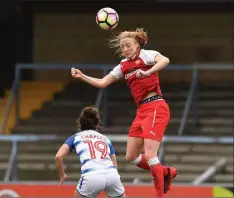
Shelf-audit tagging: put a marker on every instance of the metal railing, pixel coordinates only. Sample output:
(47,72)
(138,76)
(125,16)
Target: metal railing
(11,171)
(191,100)
(221,163)
(12,163)
(15,139)
(188,102)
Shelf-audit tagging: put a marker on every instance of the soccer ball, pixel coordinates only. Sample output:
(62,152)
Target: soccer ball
(107,18)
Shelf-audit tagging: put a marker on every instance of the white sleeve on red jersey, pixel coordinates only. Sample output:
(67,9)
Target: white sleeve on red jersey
(117,72)
(148,56)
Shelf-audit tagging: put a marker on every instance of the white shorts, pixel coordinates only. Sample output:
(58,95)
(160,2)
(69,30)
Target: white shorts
(91,185)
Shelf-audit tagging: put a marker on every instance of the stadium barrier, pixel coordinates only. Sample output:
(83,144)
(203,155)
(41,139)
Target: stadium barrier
(11,172)
(36,189)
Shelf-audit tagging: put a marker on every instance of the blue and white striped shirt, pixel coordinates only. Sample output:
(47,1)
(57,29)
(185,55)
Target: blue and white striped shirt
(94,150)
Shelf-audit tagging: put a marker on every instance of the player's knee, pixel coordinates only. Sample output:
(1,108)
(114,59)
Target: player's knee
(130,157)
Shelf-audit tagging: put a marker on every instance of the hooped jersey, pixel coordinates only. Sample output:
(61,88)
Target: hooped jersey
(140,87)
(94,151)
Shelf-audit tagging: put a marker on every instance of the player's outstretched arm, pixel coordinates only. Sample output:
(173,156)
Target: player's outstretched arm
(96,82)
(62,152)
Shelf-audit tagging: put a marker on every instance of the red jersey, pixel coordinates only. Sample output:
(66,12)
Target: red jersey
(140,87)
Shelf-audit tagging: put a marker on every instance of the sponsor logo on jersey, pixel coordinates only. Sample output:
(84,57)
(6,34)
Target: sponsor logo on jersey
(130,73)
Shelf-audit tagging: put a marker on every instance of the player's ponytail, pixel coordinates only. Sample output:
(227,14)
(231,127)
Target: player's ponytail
(89,119)
(139,35)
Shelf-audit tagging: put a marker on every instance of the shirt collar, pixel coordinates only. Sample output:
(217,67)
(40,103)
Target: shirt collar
(135,56)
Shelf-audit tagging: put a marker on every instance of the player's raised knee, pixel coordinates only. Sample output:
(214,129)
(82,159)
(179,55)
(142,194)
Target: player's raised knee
(130,157)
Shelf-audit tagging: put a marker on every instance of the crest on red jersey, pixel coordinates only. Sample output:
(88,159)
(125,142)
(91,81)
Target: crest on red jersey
(137,62)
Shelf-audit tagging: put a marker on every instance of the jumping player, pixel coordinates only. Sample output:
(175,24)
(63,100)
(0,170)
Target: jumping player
(140,69)
(97,157)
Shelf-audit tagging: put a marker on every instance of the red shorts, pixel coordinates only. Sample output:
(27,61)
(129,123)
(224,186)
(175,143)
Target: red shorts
(151,120)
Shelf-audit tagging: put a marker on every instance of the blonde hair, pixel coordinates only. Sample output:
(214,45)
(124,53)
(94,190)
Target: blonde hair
(139,35)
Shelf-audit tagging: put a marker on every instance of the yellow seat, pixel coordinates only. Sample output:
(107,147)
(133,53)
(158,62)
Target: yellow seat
(32,96)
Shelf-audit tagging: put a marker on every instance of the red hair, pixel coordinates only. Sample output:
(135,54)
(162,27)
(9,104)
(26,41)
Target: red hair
(139,35)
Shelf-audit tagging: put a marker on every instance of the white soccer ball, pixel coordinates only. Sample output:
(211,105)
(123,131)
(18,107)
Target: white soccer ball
(107,18)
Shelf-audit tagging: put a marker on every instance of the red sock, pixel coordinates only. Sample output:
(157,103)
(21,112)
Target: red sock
(143,163)
(158,179)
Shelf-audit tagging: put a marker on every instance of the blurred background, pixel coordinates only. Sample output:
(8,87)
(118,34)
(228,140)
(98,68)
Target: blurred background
(39,102)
